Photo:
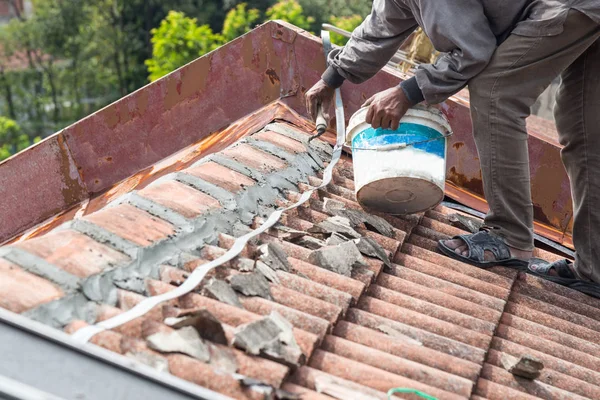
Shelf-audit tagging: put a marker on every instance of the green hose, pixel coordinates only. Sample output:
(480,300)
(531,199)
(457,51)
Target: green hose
(413,391)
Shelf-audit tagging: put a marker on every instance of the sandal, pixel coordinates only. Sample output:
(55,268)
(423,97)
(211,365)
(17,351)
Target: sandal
(480,242)
(565,277)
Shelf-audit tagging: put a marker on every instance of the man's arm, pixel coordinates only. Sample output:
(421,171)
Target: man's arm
(372,44)
(461,28)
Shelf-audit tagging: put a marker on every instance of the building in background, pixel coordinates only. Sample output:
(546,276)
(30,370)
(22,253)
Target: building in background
(10,9)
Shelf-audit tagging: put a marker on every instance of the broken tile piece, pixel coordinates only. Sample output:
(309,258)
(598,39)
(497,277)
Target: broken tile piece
(371,248)
(379,225)
(152,360)
(372,222)
(266,390)
(243,264)
(223,359)
(465,223)
(267,272)
(207,326)
(220,290)
(309,242)
(336,239)
(527,366)
(340,259)
(331,205)
(253,284)
(272,337)
(336,224)
(283,232)
(185,340)
(274,256)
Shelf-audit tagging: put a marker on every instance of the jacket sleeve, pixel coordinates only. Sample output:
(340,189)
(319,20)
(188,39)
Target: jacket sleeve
(371,45)
(460,28)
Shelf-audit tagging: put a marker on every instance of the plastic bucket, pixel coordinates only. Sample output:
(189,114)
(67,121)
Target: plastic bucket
(402,171)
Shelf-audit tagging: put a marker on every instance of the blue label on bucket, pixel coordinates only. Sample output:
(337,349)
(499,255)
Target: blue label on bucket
(407,133)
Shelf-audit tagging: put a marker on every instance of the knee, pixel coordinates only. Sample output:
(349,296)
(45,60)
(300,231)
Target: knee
(567,115)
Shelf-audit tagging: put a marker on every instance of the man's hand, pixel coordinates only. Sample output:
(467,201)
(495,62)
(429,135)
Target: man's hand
(322,94)
(387,108)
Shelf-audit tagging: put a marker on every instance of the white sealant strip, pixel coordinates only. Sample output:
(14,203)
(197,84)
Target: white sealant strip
(83,335)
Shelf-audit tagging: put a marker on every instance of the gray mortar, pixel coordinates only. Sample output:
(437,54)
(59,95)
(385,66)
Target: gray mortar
(224,197)
(103,236)
(289,158)
(153,208)
(38,266)
(59,313)
(323,148)
(256,200)
(234,165)
(270,148)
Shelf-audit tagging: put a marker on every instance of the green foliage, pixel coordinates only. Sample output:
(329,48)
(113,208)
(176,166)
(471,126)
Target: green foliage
(290,11)
(12,139)
(239,20)
(323,10)
(77,56)
(347,24)
(177,41)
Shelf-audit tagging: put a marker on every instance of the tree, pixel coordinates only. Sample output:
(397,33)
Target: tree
(323,10)
(239,21)
(290,11)
(347,24)
(77,56)
(177,41)
(12,139)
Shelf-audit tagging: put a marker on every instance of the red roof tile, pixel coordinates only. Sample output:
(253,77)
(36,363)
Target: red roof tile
(21,290)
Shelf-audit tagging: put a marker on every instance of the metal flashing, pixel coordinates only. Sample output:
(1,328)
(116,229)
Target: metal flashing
(38,360)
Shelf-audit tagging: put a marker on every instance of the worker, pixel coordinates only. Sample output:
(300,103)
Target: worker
(507,52)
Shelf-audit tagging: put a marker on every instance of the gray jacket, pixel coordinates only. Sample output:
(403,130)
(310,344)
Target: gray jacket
(467,32)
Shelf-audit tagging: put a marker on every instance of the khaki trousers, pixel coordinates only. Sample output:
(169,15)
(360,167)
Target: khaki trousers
(501,99)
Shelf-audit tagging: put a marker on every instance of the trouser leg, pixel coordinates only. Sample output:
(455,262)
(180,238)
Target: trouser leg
(501,99)
(578,121)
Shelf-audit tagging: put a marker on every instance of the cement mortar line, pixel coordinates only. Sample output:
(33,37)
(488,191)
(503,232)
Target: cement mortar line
(101,288)
(85,334)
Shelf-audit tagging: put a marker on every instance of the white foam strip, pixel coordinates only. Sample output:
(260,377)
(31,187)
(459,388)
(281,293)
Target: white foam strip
(83,335)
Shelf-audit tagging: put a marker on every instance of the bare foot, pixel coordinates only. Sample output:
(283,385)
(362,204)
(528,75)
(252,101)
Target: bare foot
(460,247)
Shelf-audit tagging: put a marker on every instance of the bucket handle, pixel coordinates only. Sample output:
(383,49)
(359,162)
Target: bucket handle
(398,146)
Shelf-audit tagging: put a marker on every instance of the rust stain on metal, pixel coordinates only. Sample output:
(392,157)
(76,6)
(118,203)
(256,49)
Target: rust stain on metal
(474,185)
(458,145)
(111,117)
(193,75)
(546,191)
(73,191)
(273,77)
(283,33)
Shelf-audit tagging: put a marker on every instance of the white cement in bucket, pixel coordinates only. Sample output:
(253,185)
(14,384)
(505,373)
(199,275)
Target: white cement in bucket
(390,173)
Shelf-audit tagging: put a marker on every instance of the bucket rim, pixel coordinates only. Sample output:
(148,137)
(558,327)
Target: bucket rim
(428,113)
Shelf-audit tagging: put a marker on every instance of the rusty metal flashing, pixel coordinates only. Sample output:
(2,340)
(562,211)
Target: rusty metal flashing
(274,61)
